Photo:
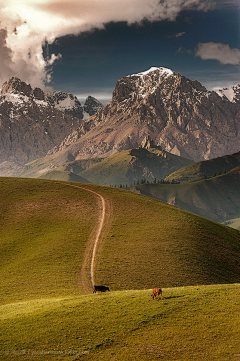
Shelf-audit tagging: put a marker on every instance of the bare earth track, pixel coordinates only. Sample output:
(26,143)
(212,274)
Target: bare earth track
(97,232)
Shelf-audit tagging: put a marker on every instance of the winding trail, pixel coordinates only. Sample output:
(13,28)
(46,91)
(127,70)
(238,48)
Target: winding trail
(99,227)
(98,233)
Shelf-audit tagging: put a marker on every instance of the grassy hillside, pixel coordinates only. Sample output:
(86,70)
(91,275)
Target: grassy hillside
(47,308)
(190,323)
(50,164)
(208,168)
(57,174)
(44,242)
(121,168)
(44,228)
(133,165)
(217,198)
(234,223)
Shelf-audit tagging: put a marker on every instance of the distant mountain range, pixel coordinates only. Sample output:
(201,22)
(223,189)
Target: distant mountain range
(33,121)
(179,114)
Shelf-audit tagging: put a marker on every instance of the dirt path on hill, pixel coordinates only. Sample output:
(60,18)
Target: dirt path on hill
(102,212)
(91,248)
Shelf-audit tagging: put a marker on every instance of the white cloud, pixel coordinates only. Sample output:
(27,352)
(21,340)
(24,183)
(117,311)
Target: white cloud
(27,24)
(177,35)
(218,51)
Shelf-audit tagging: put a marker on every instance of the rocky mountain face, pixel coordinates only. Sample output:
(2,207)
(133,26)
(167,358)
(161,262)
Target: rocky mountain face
(232,94)
(92,105)
(33,121)
(178,114)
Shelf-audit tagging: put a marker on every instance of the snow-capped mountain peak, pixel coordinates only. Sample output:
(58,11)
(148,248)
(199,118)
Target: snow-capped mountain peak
(18,93)
(33,121)
(160,71)
(141,86)
(231,93)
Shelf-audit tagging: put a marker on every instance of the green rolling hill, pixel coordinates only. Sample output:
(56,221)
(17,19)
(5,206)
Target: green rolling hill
(216,198)
(47,308)
(50,164)
(206,169)
(62,175)
(131,166)
(46,225)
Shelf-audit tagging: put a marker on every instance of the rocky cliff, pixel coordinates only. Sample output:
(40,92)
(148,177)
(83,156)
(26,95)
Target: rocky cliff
(179,114)
(92,105)
(33,121)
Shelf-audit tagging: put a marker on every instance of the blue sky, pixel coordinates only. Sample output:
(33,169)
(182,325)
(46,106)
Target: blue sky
(92,62)
(85,46)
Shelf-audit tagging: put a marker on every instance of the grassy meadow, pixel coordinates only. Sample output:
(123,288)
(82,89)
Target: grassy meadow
(44,228)
(47,308)
(190,323)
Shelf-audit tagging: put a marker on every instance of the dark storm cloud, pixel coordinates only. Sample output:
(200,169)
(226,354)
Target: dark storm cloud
(28,24)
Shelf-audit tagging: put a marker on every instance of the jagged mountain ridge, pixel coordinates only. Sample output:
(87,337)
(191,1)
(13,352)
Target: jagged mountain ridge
(179,114)
(33,121)
(91,105)
(14,89)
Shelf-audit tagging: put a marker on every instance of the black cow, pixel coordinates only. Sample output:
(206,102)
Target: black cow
(100,288)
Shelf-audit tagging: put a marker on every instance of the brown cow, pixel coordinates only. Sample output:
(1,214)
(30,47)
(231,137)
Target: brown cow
(156,291)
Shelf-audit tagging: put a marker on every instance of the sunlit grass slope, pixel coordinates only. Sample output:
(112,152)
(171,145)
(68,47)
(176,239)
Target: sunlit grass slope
(217,198)
(190,323)
(58,174)
(150,242)
(234,223)
(53,163)
(45,227)
(208,168)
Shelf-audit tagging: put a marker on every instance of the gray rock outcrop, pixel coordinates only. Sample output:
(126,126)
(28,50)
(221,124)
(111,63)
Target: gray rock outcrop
(92,105)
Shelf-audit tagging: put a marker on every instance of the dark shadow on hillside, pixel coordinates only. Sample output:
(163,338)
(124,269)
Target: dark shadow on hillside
(170,297)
